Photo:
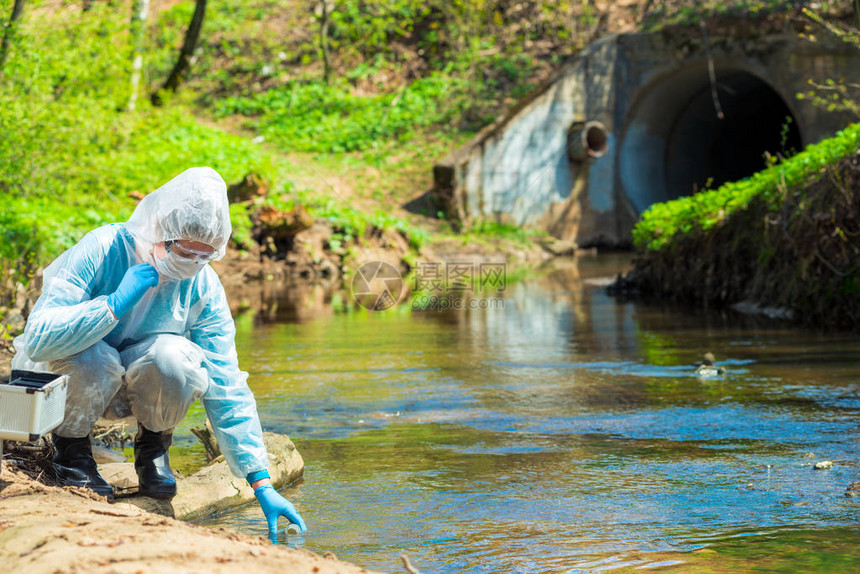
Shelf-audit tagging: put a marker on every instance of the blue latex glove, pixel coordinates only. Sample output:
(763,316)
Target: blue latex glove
(136,281)
(274,506)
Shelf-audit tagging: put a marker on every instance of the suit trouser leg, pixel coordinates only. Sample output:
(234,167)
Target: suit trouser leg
(164,375)
(156,380)
(95,376)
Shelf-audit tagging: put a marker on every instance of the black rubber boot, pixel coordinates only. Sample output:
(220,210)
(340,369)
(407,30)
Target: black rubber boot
(152,463)
(74,465)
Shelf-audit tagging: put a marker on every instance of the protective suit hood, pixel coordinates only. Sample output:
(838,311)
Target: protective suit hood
(193,205)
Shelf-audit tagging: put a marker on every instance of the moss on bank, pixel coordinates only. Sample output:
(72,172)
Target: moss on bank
(787,237)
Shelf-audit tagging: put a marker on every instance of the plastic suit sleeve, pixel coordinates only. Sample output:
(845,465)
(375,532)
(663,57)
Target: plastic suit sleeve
(65,320)
(58,332)
(228,401)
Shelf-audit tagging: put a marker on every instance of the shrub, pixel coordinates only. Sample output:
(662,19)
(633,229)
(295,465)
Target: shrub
(663,222)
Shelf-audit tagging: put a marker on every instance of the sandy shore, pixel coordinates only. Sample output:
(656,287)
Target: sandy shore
(69,531)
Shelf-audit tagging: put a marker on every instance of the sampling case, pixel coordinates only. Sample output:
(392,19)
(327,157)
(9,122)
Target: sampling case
(31,404)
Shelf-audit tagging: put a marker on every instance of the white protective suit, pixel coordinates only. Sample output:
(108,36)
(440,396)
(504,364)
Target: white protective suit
(175,345)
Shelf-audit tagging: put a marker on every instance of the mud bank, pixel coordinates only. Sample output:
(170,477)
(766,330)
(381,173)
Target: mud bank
(800,257)
(49,529)
(69,531)
(314,256)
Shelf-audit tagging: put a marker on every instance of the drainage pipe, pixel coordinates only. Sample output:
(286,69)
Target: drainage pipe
(586,140)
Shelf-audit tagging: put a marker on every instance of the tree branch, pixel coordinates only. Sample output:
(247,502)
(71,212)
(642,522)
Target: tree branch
(408,565)
(207,437)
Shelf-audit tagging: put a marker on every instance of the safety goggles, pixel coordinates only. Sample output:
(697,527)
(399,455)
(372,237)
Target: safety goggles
(199,257)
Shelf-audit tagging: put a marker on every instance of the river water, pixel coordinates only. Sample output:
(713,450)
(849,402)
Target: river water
(564,432)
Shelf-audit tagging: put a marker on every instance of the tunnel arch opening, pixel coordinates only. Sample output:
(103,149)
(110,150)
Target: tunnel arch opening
(675,144)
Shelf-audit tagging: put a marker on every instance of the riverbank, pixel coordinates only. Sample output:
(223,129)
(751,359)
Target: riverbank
(783,243)
(45,529)
(41,525)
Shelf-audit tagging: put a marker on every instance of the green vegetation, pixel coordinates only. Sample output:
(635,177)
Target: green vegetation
(456,61)
(68,157)
(675,13)
(664,222)
(66,84)
(783,239)
(406,81)
(333,119)
(490,230)
(409,80)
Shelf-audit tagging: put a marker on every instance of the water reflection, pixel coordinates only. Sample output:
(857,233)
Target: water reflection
(293,300)
(566,432)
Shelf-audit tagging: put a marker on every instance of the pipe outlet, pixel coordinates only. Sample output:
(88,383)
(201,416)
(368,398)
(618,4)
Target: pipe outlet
(586,140)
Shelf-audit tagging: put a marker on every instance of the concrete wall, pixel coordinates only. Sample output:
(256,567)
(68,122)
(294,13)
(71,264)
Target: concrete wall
(518,166)
(653,94)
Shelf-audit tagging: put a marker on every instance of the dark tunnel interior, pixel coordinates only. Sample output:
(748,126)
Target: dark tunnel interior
(704,150)
(675,143)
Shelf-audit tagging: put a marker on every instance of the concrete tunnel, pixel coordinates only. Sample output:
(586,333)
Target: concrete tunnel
(651,94)
(675,143)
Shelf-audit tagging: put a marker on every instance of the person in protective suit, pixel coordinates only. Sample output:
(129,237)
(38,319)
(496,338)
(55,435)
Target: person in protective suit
(140,323)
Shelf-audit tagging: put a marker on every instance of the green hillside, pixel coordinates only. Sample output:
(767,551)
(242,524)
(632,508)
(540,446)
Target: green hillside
(342,110)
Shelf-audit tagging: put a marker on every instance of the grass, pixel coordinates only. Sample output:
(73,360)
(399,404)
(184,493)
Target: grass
(688,13)
(71,157)
(315,117)
(664,222)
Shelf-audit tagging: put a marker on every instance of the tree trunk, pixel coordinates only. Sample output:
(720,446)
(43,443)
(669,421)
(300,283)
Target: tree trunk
(17,11)
(140,9)
(183,64)
(857,14)
(645,9)
(326,9)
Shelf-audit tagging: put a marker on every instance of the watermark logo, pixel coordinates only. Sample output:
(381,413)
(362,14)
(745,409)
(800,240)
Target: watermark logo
(458,285)
(444,302)
(460,276)
(377,286)
(436,286)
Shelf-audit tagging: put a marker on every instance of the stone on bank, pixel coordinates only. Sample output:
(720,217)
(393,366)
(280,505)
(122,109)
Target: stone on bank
(213,488)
